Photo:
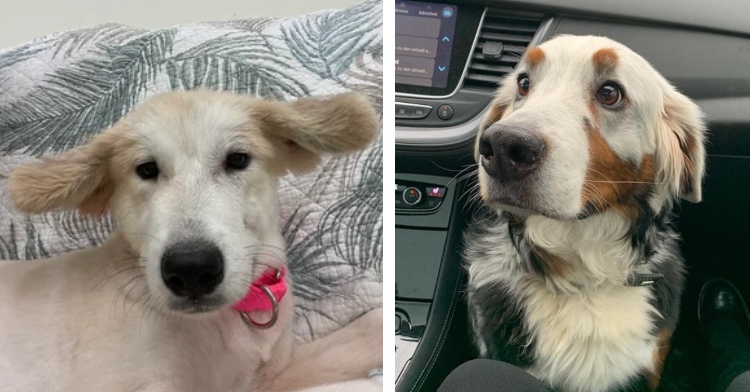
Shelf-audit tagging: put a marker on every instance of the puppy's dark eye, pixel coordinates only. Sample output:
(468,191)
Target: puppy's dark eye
(523,84)
(237,161)
(147,170)
(610,95)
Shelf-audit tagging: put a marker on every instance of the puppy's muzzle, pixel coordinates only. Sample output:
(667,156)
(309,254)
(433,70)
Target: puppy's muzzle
(510,153)
(192,269)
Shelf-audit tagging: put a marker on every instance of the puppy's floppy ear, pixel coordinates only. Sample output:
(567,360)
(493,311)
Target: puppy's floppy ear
(78,178)
(498,108)
(310,127)
(680,139)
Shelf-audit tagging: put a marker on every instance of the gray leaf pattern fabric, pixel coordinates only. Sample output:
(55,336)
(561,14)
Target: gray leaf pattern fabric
(58,91)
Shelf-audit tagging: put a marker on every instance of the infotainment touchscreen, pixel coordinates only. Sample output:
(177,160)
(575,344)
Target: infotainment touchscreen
(424,41)
(433,44)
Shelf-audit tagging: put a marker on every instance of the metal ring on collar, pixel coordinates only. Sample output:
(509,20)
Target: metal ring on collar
(270,323)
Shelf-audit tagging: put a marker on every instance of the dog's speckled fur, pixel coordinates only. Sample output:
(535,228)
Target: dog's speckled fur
(549,261)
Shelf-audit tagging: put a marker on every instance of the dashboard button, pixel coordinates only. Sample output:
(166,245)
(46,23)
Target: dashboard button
(433,202)
(412,196)
(402,111)
(445,112)
(435,191)
(418,112)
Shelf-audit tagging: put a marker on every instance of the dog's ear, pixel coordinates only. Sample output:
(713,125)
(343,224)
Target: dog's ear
(309,127)
(78,178)
(498,108)
(680,139)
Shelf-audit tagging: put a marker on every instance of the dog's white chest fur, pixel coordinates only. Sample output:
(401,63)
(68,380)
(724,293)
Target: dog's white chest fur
(115,346)
(591,342)
(153,358)
(596,337)
(586,333)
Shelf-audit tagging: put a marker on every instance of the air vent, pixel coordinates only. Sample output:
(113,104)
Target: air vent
(503,39)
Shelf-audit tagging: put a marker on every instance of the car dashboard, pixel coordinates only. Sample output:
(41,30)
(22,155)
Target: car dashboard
(450,57)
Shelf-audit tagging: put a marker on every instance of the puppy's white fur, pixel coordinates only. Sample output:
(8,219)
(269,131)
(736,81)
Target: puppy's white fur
(102,319)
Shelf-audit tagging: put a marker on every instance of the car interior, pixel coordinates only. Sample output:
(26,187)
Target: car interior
(450,57)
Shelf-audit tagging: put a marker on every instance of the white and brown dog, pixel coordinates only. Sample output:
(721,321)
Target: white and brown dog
(190,294)
(576,274)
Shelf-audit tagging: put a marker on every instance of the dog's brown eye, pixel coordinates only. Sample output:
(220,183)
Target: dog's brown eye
(609,95)
(147,170)
(237,161)
(523,85)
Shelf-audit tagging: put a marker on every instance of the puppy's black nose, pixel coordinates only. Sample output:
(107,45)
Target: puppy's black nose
(192,269)
(510,153)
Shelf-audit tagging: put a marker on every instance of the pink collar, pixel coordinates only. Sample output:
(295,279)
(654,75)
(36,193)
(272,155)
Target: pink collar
(256,299)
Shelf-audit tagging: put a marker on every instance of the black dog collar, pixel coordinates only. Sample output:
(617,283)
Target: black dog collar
(641,280)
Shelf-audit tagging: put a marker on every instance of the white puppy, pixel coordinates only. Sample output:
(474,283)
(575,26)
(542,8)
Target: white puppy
(191,180)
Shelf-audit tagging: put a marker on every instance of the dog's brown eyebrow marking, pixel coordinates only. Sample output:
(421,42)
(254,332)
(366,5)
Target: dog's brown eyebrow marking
(605,59)
(534,56)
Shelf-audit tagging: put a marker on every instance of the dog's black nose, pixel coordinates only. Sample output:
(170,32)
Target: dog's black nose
(510,153)
(192,269)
